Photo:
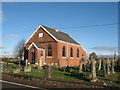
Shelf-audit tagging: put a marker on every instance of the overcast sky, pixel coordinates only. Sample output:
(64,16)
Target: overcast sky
(93,25)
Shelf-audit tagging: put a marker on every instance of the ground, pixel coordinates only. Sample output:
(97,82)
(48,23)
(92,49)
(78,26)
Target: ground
(61,78)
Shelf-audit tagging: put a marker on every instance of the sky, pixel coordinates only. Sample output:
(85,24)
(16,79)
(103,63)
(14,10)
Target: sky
(92,24)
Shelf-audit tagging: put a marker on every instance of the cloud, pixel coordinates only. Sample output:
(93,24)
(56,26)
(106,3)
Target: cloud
(103,54)
(14,35)
(6,54)
(106,53)
(1,47)
(7,39)
(104,48)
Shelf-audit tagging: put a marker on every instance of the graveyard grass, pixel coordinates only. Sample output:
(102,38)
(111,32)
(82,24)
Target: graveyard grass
(71,73)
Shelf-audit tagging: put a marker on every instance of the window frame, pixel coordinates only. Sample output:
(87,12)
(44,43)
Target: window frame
(71,52)
(40,35)
(63,51)
(78,53)
(49,54)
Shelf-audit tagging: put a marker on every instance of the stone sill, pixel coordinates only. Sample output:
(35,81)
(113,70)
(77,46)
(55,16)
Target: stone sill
(63,57)
(49,57)
(71,57)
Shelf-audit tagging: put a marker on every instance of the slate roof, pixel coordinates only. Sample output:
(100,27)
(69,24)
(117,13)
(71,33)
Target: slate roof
(39,45)
(60,35)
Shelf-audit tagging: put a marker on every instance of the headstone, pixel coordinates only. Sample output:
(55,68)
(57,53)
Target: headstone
(26,62)
(108,66)
(40,62)
(80,66)
(17,70)
(27,68)
(99,64)
(104,67)
(112,64)
(93,69)
(58,62)
(47,72)
(19,61)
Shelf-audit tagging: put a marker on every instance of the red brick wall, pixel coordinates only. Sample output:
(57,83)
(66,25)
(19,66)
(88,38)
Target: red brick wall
(72,61)
(47,40)
(35,38)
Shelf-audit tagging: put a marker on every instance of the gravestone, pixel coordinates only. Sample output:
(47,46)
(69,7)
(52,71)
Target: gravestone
(58,62)
(104,67)
(47,72)
(99,68)
(112,64)
(26,62)
(19,59)
(80,66)
(93,69)
(108,66)
(17,70)
(27,68)
(40,62)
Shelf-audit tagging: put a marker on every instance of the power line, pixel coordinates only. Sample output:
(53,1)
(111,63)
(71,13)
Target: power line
(90,26)
(68,27)
(20,32)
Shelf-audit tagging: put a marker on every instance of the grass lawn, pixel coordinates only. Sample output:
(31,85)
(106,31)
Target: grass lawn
(71,74)
(9,68)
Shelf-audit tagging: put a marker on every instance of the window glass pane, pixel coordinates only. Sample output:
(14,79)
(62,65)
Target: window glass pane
(49,50)
(71,52)
(63,51)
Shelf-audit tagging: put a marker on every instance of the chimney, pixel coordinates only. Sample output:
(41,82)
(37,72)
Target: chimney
(56,29)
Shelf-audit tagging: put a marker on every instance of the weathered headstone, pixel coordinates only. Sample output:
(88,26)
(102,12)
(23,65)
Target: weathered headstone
(93,69)
(27,68)
(17,70)
(40,62)
(80,66)
(47,72)
(19,60)
(58,62)
(108,66)
(112,64)
(104,67)
(26,62)
(99,68)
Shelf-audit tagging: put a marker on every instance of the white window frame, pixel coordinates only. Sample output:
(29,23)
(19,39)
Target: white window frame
(40,34)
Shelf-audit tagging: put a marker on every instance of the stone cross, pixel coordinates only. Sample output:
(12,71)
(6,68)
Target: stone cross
(113,63)
(58,62)
(99,64)
(104,68)
(80,66)
(26,62)
(108,66)
(93,68)
(40,62)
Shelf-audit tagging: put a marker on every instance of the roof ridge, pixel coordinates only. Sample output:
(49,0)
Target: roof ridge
(53,29)
(61,35)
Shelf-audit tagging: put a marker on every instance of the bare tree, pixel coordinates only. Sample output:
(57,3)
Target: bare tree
(19,48)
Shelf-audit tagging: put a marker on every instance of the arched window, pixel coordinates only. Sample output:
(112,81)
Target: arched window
(63,51)
(77,53)
(71,52)
(49,50)
(82,57)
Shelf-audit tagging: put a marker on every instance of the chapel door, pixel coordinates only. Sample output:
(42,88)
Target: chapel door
(42,55)
(33,55)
